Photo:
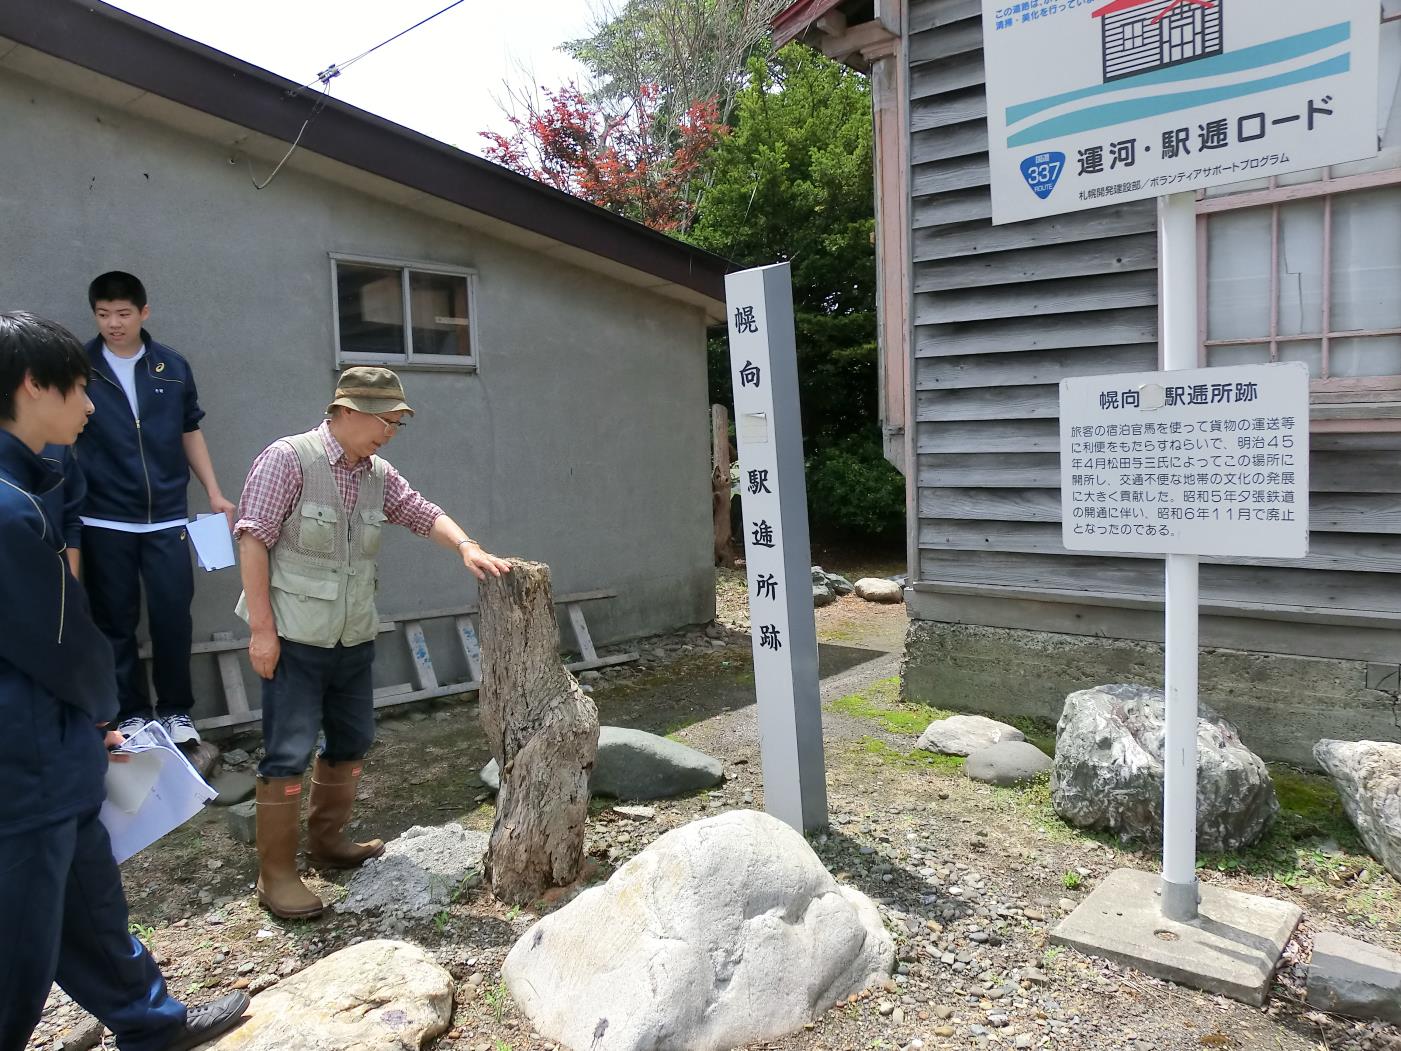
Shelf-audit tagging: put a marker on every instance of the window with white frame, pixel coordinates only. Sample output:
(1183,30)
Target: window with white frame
(1310,272)
(415,315)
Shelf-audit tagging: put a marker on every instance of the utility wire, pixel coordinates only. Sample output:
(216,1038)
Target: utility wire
(335,69)
(324,78)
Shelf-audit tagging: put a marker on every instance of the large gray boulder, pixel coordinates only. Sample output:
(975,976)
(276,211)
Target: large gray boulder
(633,764)
(722,933)
(1368,777)
(1109,770)
(965,734)
(386,995)
(1349,977)
(1007,763)
(420,872)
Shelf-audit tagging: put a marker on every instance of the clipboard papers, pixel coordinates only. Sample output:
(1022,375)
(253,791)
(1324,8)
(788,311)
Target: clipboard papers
(155,791)
(213,542)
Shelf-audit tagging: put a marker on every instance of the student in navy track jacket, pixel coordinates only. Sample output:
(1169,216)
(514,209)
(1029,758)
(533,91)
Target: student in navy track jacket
(60,890)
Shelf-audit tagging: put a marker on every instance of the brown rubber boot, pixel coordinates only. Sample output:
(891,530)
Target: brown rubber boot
(280,890)
(333,787)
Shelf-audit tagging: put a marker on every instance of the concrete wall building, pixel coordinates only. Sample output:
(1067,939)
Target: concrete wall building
(556,353)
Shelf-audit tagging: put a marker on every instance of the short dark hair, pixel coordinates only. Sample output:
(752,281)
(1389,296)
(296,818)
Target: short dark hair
(117,284)
(35,346)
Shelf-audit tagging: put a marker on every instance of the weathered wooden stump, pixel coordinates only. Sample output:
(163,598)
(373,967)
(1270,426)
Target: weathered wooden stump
(543,731)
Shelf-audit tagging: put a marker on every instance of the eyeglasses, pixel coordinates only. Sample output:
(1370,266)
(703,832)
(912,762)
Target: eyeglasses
(390,426)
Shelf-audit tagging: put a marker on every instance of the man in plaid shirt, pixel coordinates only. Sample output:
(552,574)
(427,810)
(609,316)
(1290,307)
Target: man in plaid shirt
(308,535)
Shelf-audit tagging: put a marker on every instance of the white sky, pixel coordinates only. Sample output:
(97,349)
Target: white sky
(442,79)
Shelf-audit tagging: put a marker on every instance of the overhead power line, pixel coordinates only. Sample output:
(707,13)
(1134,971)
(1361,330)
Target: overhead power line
(324,78)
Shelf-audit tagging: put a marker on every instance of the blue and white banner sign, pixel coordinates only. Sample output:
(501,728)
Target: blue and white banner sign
(1098,102)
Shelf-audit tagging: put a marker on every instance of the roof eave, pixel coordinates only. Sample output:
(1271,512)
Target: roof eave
(145,56)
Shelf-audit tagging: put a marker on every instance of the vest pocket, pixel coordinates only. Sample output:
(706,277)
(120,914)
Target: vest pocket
(304,585)
(371,526)
(318,529)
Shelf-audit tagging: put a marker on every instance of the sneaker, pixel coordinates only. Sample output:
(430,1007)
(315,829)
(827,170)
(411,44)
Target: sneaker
(131,727)
(207,1021)
(181,729)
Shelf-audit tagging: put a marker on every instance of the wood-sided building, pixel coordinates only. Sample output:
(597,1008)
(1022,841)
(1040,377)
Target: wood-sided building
(979,324)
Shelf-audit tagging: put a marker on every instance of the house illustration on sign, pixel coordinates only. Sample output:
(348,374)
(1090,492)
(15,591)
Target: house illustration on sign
(1143,35)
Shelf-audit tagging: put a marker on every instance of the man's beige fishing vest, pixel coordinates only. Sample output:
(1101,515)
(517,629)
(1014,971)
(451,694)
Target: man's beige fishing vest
(322,571)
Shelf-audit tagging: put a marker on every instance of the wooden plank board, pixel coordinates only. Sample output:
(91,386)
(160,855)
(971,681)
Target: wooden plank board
(969,139)
(930,14)
(978,470)
(471,644)
(975,238)
(602,662)
(581,633)
(953,74)
(423,671)
(943,176)
(989,436)
(1329,472)
(1036,299)
(1110,255)
(1302,587)
(957,207)
(231,676)
(942,111)
(1352,553)
(998,505)
(1031,367)
(1378,513)
(988,403)
(955,38)
(1092,328)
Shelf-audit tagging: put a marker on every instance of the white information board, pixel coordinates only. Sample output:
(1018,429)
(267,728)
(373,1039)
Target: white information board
(1191,462)
(1096,102)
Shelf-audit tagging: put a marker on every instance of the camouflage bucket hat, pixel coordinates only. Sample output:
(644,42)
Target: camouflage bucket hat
(367,388)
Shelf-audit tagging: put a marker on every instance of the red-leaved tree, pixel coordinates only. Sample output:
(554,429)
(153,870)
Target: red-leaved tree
(633,162)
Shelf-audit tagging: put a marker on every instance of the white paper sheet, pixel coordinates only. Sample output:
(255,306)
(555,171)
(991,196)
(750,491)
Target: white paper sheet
(213,542)
(155,792)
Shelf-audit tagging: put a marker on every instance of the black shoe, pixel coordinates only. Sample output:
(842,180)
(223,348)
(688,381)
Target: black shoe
(207,1021)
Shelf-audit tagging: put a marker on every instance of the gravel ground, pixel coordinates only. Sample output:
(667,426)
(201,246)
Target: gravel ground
(969,878)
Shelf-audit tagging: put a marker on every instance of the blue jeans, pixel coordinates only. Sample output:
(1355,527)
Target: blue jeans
(316,689)
(66,921)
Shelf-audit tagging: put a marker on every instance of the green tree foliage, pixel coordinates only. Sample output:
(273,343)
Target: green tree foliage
(793,181)
(695,51)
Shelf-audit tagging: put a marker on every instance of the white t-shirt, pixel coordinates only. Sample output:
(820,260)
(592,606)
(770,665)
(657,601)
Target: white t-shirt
(125,371)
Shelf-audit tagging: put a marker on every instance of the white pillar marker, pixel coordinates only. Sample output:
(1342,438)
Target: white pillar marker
(1177,233)
(773,495)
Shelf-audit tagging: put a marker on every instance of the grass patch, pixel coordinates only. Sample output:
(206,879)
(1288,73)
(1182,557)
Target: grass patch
(881,703)
(917,760)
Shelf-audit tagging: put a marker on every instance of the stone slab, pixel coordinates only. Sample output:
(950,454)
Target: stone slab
(1350,977)
(1232,948)
(233,786)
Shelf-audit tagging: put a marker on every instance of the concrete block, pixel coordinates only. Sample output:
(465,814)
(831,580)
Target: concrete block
(1350,977)
(1232,948)
(242,820)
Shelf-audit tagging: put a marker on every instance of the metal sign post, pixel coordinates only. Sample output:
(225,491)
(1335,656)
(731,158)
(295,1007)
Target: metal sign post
(1177,242)
(773,494)
(1110,101)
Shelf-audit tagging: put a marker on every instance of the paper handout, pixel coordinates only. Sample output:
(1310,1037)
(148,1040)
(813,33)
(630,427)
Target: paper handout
(155,791)
(213,542)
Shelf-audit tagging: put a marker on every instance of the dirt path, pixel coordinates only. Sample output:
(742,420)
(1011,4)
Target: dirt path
(968,878)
